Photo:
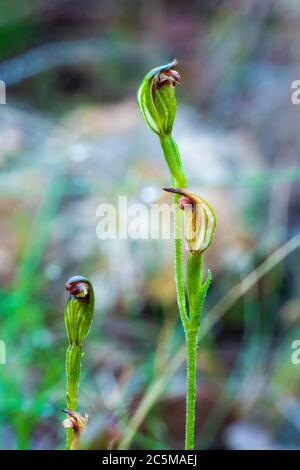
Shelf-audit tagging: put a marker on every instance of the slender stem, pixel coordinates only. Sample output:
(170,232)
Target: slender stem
(191,356)
(194,275)
(173,159)
(181,299)
(193,282)
(69,438)
(73,365)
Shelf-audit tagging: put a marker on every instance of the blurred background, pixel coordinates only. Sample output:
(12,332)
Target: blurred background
(72,138)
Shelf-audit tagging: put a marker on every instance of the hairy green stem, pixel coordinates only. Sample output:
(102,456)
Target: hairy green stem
(179,281)
(191,382)
(173,159)
(194,284)
(73,366)
(194,277)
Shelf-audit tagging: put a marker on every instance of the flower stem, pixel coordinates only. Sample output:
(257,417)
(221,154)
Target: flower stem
(73,365)
(179,281)
(173,159)
(191,356)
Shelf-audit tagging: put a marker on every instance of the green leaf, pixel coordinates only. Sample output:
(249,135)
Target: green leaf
(197,306)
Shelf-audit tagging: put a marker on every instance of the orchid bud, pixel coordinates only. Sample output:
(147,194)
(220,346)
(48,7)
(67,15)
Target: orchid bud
(199,219)
(79,309)
(157,100)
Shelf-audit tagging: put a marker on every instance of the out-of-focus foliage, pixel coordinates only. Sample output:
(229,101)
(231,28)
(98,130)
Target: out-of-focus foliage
(71,138)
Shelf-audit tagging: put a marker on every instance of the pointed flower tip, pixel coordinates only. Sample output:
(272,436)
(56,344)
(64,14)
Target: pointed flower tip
(79,287)
(162,68)
(174,190)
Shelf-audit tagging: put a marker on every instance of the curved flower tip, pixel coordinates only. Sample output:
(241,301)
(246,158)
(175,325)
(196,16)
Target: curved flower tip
(199,219)
(79,309)
(156,98)
(79,287)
